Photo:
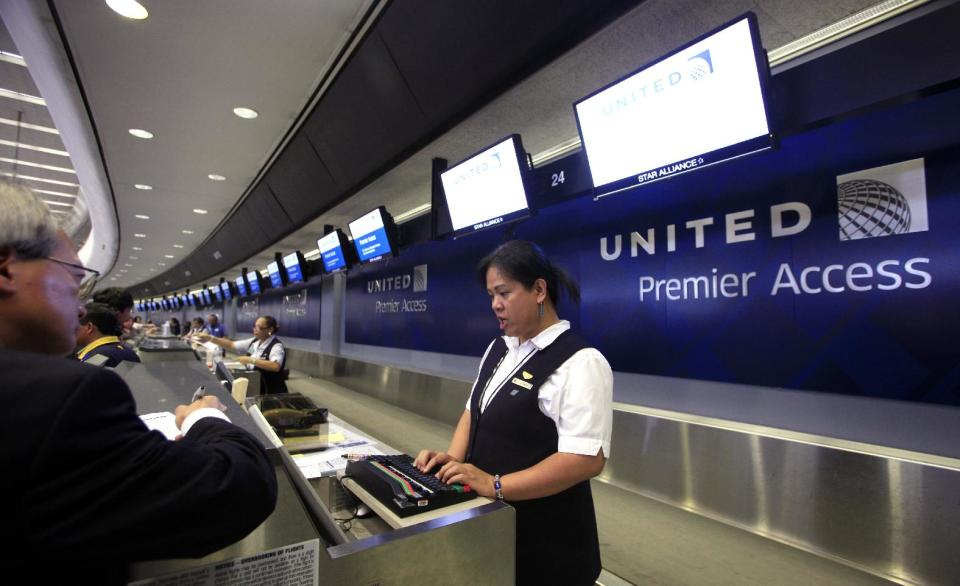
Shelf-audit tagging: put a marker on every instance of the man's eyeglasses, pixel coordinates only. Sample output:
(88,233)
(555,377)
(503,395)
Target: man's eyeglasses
(88,273)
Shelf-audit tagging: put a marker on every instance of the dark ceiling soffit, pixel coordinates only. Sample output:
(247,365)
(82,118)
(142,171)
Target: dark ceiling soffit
(419,28)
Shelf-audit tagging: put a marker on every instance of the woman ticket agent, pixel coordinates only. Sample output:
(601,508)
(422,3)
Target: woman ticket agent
(537,425)
(264,352)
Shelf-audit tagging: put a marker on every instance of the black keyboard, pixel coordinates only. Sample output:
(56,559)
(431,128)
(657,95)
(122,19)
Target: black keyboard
(405,490)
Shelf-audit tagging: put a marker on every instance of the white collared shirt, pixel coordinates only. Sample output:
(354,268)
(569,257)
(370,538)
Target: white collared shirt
(254,348)
(578,396)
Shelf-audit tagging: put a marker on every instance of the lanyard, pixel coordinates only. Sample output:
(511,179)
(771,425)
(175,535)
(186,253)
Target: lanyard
(483,395)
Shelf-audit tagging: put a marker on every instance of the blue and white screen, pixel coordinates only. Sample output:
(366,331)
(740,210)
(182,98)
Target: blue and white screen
(369,236)
(254,280)
(225,290)
(661,120)
(331,252)
(241,286)
(294,271)
(275,279)
(483,189)
(218,295)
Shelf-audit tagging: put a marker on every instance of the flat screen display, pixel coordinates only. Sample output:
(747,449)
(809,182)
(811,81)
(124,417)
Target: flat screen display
(370,238)
(700,105)
(241,286)
(218,295)
(253,278)
(190,300)
(225,290)
(276,280)
(488,188)
(331,251)
(206,297)
(291,263)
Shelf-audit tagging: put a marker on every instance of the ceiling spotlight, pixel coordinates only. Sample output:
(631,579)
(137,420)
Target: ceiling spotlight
(137,248)
(142,217)
(187,231)
(133,257)
(178,246)
(215,177)
(140,133)
(143,186)
(128,8)
(163,264)
(247,113)
(139,235)
(122,271)
(199,211)
(126,264)
(168,256)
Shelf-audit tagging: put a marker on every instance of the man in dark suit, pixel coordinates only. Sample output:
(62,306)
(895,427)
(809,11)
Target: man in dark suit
(88,488)
(99,336)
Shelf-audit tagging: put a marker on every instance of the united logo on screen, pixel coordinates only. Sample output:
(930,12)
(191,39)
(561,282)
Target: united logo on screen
(701,65)
(883,201)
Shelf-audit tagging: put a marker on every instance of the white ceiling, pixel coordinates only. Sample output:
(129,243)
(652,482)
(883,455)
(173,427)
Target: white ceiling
(180,72)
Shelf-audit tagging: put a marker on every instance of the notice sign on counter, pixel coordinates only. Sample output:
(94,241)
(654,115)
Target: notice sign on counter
(289,565)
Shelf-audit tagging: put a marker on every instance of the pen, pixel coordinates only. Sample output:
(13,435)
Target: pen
(355,457)
(198,394)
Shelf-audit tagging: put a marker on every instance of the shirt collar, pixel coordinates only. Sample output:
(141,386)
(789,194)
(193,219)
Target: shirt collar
(541,340)
(265,343)
(96,344)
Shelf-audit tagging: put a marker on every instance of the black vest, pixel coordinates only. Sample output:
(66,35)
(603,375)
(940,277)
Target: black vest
(556,535)
(272,382)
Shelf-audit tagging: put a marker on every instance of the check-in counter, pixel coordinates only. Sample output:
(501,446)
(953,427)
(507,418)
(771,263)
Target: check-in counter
(164,349)
(305,539)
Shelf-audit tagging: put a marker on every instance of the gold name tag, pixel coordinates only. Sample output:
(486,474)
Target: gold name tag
(522,383)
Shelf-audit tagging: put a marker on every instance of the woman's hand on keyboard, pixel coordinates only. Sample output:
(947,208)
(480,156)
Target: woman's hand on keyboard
(428,461)
(478,480)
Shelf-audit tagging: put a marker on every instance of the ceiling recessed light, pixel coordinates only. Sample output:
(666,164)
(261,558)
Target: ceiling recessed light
(143,186)
(140,133)
(128,8)
(152,270)
(142,217)
(247,113)
(139,235)
(187,231)
(126,264)
(134,258)
(122,271)
(178,246)
(168,256)
(137,248)
(163,264)
(199,211)
(215,177)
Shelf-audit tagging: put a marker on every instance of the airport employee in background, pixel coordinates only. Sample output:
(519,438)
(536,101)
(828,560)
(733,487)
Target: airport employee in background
(99,335)
(264,352)
(214,328)
(537,425)
(90,488)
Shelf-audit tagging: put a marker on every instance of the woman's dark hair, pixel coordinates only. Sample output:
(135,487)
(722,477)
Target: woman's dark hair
(271,322)
(525,262)
(198,320)
(103,317)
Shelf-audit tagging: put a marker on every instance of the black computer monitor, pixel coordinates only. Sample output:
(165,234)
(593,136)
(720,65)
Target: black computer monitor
(374,235)
(702,104)
(334,250)
(254,282)
(241,284)
(278,277)
(296,267)
(489,188)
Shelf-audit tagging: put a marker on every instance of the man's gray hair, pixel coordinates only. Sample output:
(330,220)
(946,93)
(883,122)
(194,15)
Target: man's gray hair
(26,224)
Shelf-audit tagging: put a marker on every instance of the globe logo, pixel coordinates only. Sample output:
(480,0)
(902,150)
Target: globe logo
(700,65)
(419,278)
(870,208)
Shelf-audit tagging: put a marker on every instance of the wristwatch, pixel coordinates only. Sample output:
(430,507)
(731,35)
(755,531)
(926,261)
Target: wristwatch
(496,487)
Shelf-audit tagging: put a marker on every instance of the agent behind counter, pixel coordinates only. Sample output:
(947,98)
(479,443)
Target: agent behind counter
(264,351)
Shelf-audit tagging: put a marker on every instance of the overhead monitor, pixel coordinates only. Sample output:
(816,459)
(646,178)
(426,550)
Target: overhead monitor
(255,282)
(295,267)
(333,251)
(206,296)
(217,294)
(225,290)
(277,276)
(489,188)
(189,298)
(241,286)
(374,235)
(700,105)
